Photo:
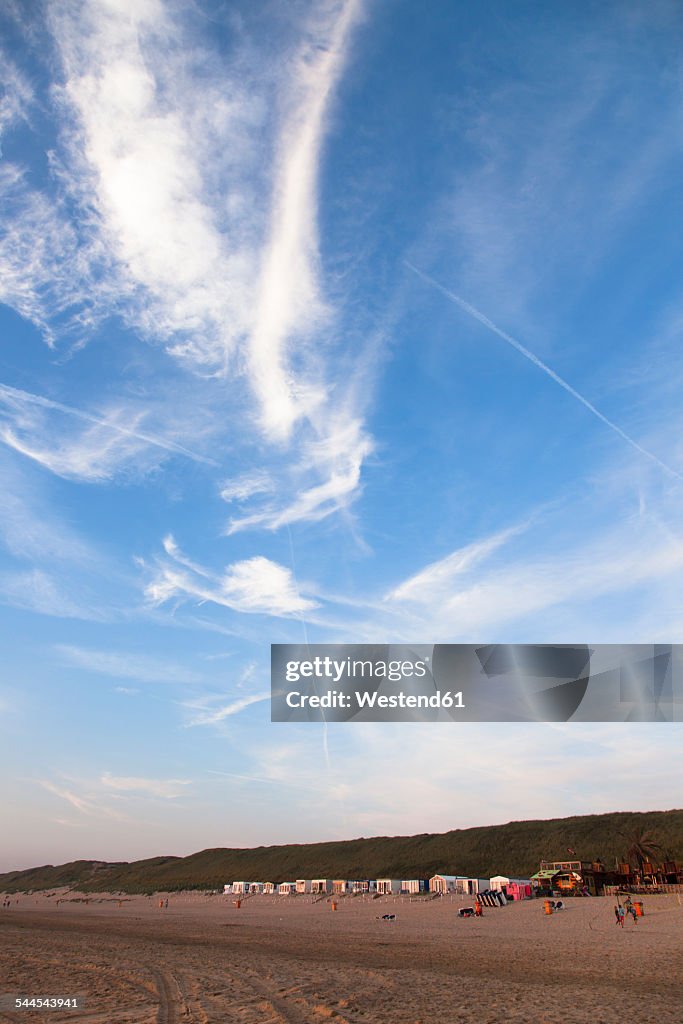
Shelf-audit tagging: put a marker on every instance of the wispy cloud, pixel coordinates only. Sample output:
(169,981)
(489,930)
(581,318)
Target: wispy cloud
(215,715)
(183,198)
(16,94)
(289,299)
(467,598)
(31,530)
(429,584)
(256,585)
(43,268)
(121,665)
(337,458)
(166,789)
(243,487)
(110,442)
(38,591)
(515,222)
(141,119)
(86,805)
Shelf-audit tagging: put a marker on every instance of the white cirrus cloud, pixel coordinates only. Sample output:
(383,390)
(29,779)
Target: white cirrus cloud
(331,469)
(241,488)
(290,302)
(16,97)
(183,198)
(88,805)
(430,583)
(471,591)
(39,591)
(255,585)
(214,715)
(167,789)
(125,665)
(42,429)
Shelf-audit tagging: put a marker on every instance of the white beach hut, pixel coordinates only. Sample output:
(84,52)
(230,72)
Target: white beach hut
(321,885)
(227,889)
(256,888)
(286,889)
(363,885)
(470,886)
(415,885)
(340,886)
(443,883)
(303,885)
(239,888)
(388,886)
(268,888)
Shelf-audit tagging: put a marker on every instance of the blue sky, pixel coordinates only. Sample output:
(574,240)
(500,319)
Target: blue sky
(333,321)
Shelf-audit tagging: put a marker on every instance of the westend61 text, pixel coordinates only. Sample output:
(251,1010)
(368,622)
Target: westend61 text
(363,699)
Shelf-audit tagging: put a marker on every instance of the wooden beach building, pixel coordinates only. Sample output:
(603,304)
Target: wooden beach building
(364,885)
(414,886)
(470,886)
(443,884)
(303,886)
(388,886)
(240,888)
(321,885)
(286,889)
(268,888)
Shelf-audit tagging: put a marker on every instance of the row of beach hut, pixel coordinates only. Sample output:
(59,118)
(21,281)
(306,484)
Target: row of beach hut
(512,888)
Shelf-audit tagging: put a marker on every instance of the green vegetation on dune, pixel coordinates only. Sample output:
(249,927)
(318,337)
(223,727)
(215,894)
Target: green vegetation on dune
(513,849)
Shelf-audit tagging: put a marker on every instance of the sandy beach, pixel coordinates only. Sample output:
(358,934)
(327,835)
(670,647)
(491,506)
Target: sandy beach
(280,960)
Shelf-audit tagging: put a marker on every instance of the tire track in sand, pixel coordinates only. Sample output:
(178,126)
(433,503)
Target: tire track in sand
(166,1013)
(249,998)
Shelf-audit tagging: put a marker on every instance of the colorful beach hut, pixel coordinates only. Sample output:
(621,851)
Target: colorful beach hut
(513,888)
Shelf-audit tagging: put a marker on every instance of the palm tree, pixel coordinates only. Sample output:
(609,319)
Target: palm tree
(642,847)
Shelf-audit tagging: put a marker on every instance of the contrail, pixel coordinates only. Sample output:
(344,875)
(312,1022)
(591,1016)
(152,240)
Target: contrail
(474,312)
(326,748)
(47,403)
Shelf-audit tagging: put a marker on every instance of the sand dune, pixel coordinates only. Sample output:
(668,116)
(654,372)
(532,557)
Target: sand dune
(280,960)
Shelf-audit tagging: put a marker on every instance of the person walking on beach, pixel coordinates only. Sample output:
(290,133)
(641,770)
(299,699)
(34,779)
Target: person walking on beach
(616,914)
